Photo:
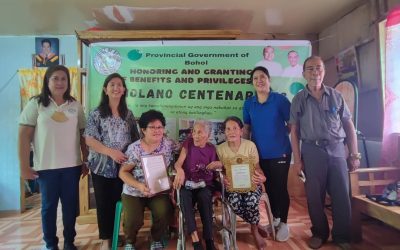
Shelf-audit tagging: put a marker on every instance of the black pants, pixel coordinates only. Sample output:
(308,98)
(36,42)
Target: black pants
(107,192)
(276,170)
(203,197)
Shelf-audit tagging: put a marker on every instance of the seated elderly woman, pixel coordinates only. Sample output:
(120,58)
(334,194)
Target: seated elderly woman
(246,204)
(197,181)
(136,195)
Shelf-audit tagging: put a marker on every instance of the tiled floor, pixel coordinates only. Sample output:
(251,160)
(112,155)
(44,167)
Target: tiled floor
(24,232)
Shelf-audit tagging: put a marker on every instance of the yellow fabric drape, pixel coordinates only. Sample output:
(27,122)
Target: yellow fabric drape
(31,81)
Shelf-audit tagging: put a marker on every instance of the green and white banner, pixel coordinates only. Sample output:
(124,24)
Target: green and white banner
(189,80)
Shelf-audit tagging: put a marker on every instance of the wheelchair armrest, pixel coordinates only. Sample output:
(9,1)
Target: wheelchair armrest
(221,178)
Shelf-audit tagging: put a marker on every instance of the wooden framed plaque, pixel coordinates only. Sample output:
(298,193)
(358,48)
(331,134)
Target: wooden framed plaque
(239,171)
(155,173)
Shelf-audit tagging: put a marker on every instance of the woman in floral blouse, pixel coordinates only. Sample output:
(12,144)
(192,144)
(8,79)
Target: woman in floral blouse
(110,128)
(136,195)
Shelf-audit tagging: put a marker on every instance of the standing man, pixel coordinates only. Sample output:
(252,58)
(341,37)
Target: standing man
(274,68)
(294,69)
(321,119)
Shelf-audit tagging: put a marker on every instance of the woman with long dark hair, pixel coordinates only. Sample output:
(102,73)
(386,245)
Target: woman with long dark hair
(53,121)
(111,127)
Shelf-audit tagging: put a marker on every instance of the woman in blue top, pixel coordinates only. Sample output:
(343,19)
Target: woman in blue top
(110,128)
(266,116)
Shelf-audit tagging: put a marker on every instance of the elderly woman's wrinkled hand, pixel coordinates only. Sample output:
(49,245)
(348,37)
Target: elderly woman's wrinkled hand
(214,165)
(179,178)
(258,177)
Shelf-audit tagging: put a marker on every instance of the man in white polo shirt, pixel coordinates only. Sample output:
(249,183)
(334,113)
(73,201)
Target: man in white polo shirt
(274,68)
(294,69)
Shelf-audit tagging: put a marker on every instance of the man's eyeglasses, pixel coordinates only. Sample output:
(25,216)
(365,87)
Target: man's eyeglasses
(155,128)
(318,68)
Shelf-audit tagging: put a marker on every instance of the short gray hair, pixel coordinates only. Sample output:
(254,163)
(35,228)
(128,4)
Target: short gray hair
(205,124)
(310,58)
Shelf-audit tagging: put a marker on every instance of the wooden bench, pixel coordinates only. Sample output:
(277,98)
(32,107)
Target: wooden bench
(372,181)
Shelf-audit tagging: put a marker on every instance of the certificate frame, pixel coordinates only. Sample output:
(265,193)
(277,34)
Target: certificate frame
(155,173)
(240,166)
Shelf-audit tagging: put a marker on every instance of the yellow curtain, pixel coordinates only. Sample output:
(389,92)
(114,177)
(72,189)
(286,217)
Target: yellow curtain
(31,81)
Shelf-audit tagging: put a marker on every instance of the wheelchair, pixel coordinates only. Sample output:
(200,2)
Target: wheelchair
(226,226)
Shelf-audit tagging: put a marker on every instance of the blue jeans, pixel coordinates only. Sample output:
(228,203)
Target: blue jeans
(58,184)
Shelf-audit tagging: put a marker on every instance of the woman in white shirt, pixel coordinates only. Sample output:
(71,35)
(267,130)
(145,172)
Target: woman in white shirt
(53,121)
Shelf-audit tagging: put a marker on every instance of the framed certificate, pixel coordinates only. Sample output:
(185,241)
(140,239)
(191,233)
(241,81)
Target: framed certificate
(155,173)
(239,171)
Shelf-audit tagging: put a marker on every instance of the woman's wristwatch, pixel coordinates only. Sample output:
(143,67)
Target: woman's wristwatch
(356,156)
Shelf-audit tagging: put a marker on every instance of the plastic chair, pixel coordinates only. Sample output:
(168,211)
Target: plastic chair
(117,224)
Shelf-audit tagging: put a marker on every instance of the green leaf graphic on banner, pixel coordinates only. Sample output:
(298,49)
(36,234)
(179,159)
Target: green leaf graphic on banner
(134,55)
(296,87)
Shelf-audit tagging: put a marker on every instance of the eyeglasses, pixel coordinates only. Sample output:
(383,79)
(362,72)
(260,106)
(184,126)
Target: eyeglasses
(155,128)
(318,68)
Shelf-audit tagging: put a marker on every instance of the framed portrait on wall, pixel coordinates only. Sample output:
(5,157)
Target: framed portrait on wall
(347,66)
(46,52)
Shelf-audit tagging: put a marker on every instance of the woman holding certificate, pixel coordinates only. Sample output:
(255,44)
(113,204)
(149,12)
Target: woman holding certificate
(265,117)
(196,181)
(145,180)
(244,152)
(111,127)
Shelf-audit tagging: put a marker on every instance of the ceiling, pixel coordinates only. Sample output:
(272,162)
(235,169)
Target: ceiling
(253,17)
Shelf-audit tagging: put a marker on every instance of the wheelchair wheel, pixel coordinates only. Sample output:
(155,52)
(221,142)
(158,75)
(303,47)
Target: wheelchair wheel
(226,239)
(226,216)
(181,243)
(228,232)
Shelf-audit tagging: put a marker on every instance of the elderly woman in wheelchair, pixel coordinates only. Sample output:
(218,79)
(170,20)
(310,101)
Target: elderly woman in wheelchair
(246,204)
(195,182)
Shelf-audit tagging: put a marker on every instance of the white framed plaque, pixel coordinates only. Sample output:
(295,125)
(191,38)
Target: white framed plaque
(155,173)
(239,171)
